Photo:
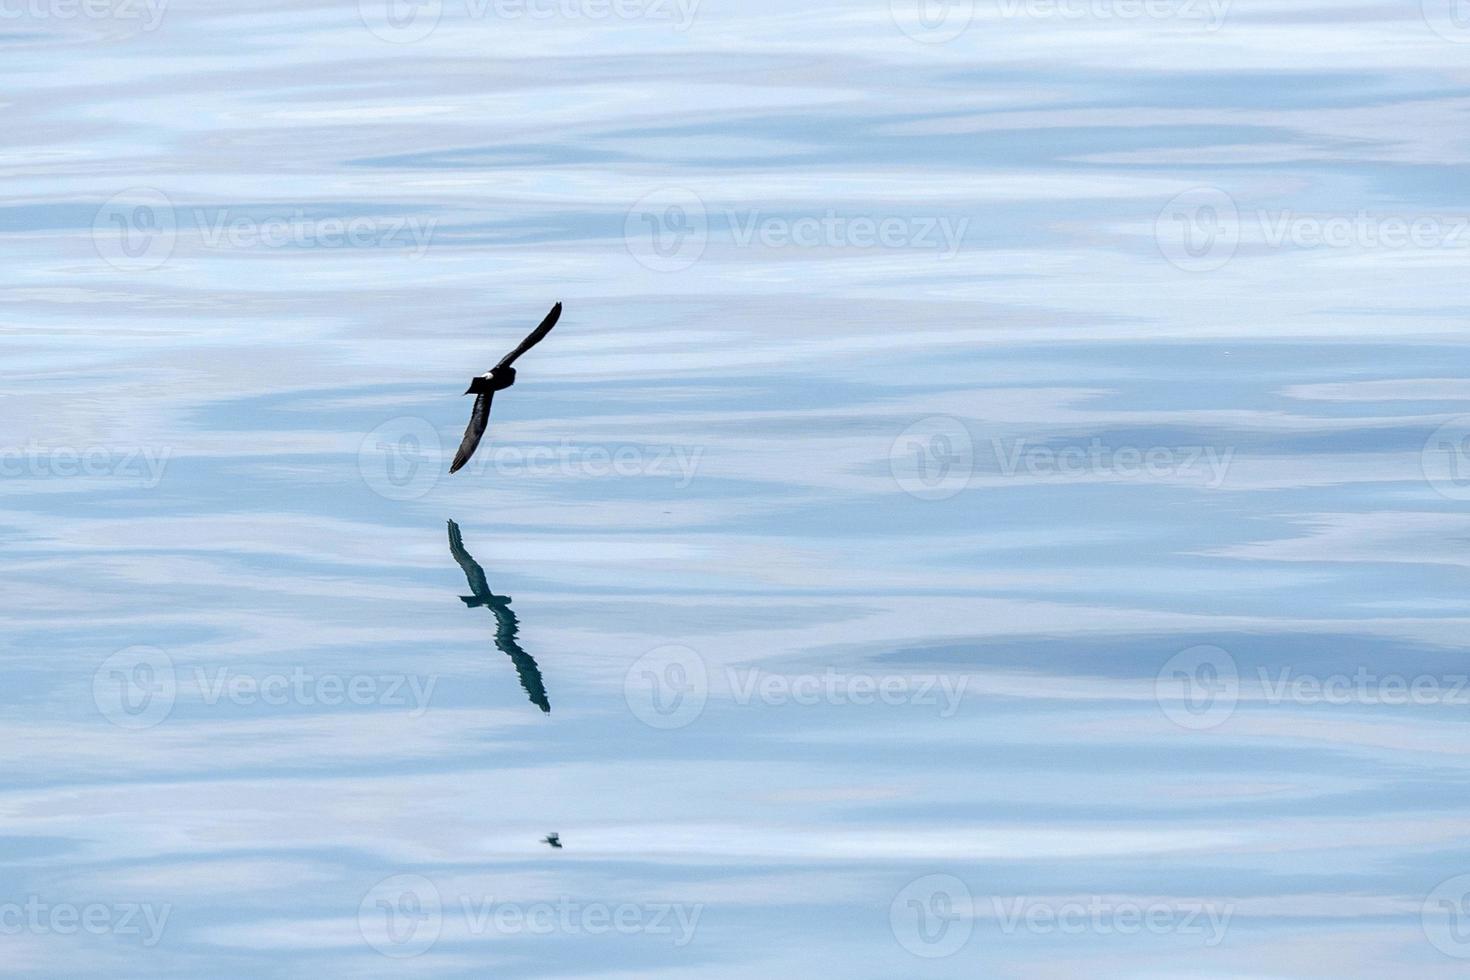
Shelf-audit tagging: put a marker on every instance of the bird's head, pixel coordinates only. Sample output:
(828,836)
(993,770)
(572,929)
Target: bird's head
(498,379)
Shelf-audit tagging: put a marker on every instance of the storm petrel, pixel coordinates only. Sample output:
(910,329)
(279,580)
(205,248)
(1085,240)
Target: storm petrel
(506,624)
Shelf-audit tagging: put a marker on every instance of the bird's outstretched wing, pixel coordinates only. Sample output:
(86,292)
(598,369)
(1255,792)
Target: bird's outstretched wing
(530,676)
(478,420)
(472,570)
(529,672)
(533,338)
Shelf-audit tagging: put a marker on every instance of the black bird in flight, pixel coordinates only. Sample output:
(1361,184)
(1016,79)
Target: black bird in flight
(506,624)
(554,839)
(498,378)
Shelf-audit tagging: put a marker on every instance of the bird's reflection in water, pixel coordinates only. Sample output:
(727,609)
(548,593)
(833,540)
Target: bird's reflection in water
(506,625)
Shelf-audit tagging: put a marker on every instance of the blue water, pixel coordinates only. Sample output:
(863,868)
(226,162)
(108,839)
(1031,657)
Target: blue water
(995,504)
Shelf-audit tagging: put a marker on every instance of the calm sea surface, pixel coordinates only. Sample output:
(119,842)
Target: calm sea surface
(997,503)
